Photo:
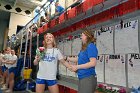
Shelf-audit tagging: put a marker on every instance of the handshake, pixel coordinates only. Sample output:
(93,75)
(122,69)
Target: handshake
(73,68)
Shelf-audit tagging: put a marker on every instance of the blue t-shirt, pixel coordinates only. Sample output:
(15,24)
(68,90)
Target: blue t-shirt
(84,57)
(59,9)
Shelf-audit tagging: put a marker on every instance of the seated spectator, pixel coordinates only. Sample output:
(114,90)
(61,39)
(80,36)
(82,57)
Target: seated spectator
(5,61)
(4,74)
(33,27)
(12,71)
(59,9)
(42,21)
(13,38)
(1,56)
(47,17)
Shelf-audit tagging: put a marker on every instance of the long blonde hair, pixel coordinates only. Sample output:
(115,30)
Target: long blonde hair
(90,38)
(54,43)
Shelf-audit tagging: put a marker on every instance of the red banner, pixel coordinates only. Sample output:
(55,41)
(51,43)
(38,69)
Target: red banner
(52,24)
(114,12)
(79,9)
(71,13)
(86,5)
(62,18)
(128,7)
(40,30)
(138,4)
(45,27)
(57,21)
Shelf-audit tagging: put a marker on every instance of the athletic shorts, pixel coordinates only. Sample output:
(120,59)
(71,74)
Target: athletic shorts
(46,82)
(12,69)
(4,68)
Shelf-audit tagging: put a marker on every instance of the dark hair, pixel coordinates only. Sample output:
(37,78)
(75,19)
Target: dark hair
(46,14)
(90,38)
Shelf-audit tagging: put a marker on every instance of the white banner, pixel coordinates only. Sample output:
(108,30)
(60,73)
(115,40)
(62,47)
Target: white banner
(126,38)
(105,41)
(115,70)
(134,70)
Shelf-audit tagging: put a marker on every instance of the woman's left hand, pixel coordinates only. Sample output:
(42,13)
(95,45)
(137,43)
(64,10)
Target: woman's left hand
(74,68)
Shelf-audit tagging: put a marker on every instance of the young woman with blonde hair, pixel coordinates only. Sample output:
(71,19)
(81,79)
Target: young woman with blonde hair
(48,65)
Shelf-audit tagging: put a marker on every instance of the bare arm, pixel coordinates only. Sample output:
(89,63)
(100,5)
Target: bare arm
(37,59)
(90,64)
(10,62)
(72,59)
(66,64)
(3,60)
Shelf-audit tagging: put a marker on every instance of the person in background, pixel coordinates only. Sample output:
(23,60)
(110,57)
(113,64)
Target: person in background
(4,74)
(12,70)
(86,64)
(48,65)
(58,8)
(8,41)
(47,17)
(1,57)
(33,28)
(6,59)
(42,21)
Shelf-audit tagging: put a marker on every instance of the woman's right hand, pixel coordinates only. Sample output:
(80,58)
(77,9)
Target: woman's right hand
(37,57)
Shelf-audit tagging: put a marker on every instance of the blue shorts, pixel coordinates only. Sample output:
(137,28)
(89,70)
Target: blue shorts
(46,82)
(12,69)
(4,68)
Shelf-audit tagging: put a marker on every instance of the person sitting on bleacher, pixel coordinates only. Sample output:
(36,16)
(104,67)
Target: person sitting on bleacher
(1,56)
(3,68)
(10,62)
(5,61)
(12,70)
(59,9)
(42,21)
(47,17)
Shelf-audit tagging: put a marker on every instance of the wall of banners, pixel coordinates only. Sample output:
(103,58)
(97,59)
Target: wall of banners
(118,39)
(113,44)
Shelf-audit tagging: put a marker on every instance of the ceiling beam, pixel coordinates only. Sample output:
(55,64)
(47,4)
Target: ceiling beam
(38,3)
